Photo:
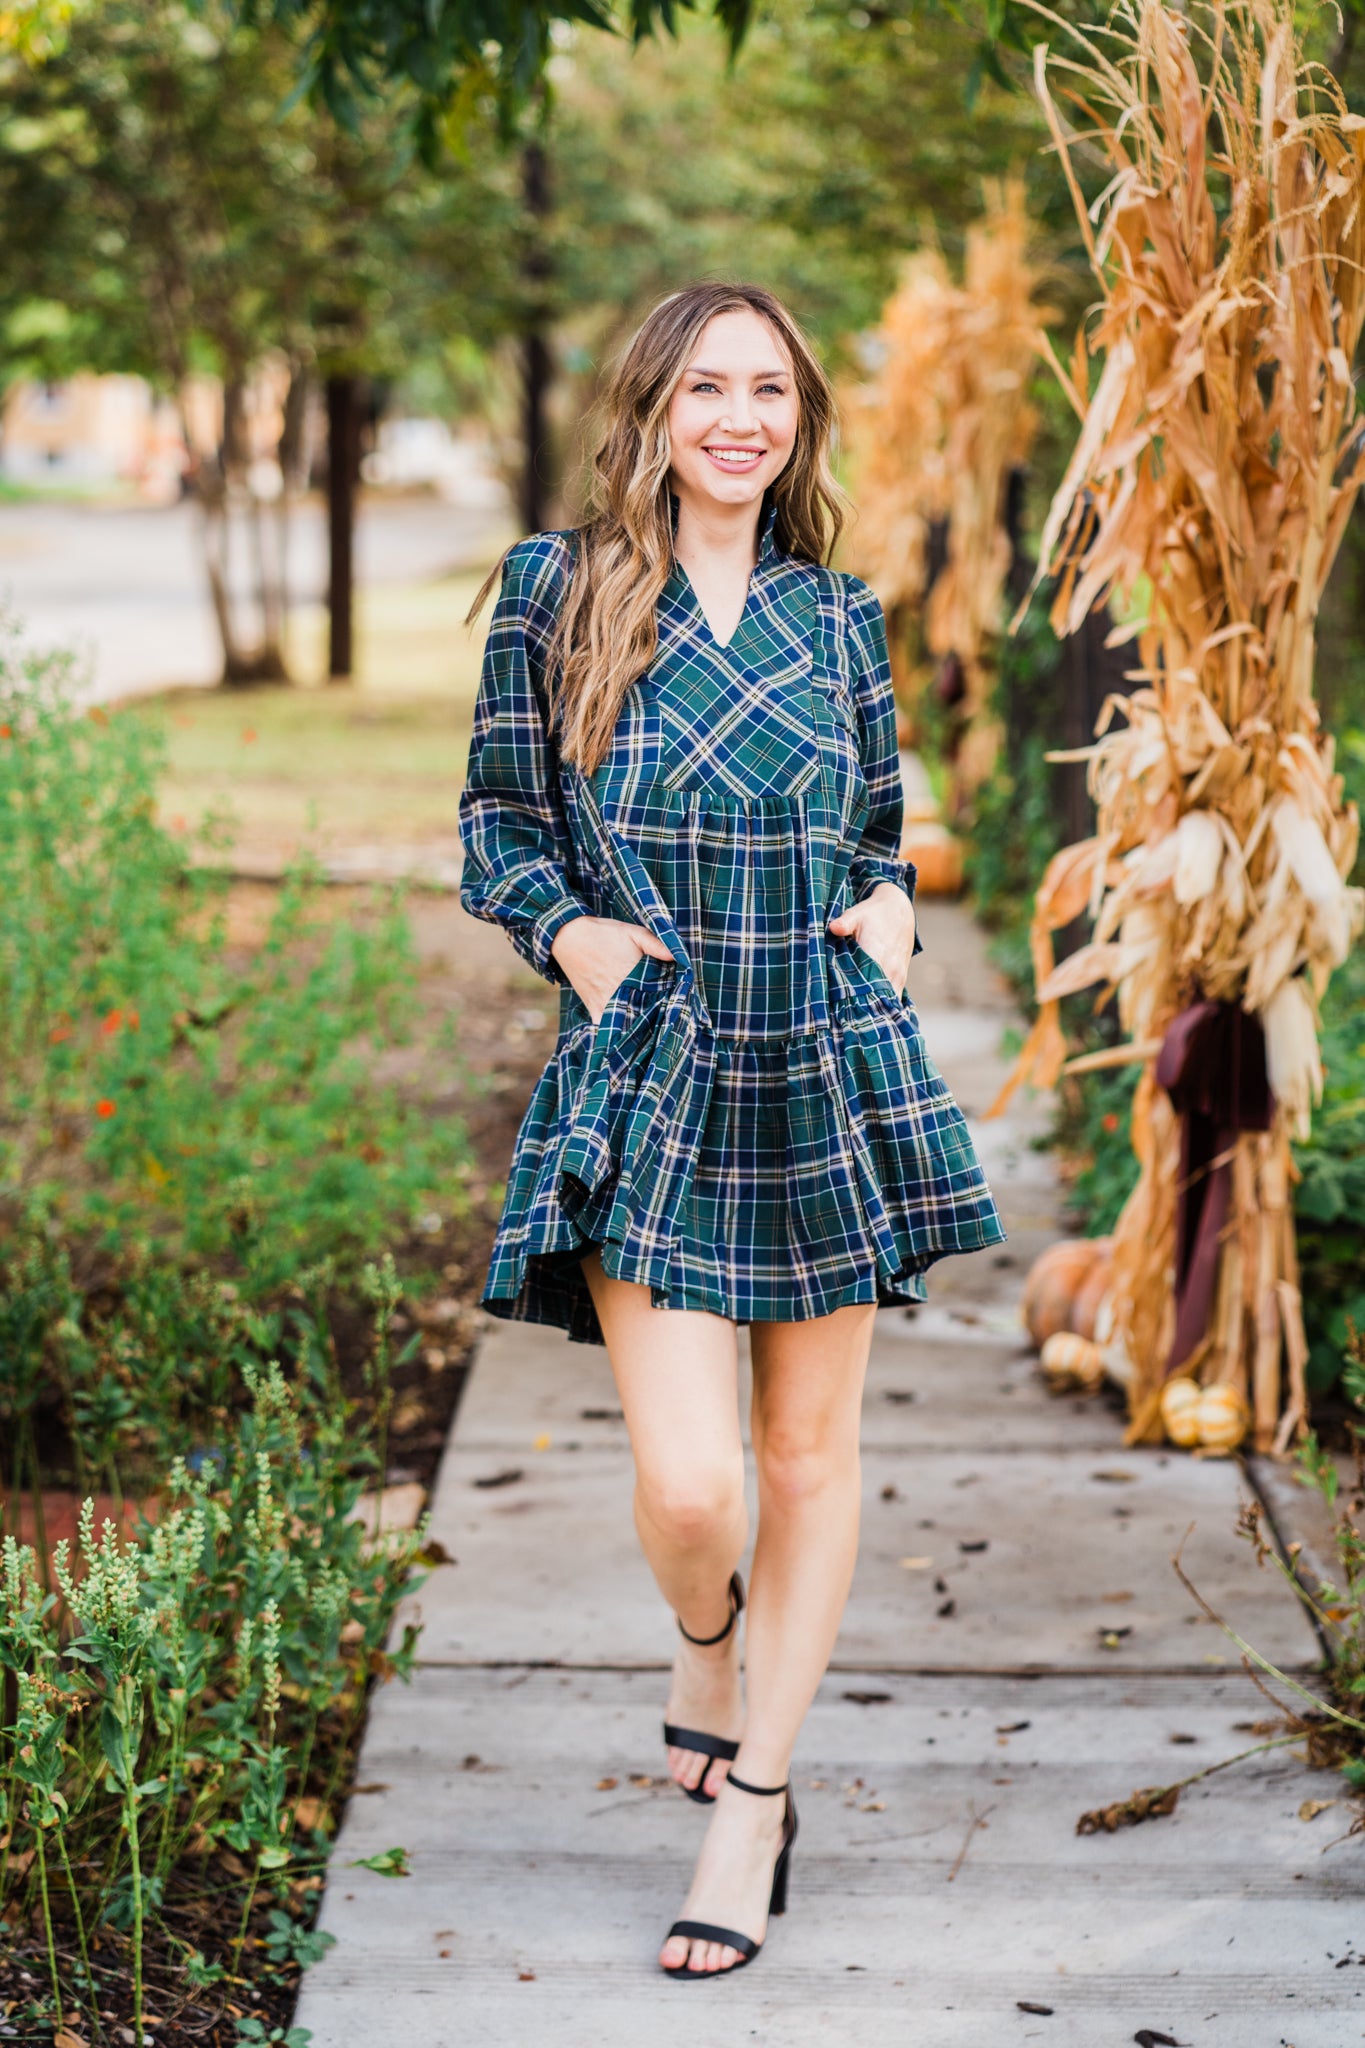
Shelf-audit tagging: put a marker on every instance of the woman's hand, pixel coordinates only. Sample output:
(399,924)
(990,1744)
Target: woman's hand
(597,953)
(884,926)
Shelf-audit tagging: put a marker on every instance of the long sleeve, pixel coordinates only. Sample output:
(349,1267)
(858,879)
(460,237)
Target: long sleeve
(877,857)
(516,842)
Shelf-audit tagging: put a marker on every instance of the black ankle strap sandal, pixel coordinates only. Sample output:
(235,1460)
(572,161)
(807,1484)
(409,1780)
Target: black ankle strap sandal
(697,1738)
(730,1937)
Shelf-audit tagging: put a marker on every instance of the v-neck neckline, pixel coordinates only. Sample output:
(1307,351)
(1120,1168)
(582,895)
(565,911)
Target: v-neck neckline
(722,646)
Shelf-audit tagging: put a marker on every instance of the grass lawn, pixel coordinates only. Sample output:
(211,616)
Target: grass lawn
(379,760)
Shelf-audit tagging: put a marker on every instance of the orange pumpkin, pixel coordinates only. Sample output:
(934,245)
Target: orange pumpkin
(937,856)
(1054,1282)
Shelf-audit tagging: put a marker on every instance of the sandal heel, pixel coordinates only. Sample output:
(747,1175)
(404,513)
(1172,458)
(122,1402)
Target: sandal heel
(778,1902)
(730,1937)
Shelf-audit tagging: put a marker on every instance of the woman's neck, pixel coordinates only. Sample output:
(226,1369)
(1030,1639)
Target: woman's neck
(723,537)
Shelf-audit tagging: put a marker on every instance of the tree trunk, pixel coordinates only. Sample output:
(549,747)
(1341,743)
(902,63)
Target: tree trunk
(343,473)
(537,366)
(247,657)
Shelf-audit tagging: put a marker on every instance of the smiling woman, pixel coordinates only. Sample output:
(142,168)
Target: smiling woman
(684,805)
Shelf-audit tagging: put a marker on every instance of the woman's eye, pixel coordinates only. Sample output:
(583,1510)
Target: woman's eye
(704,386)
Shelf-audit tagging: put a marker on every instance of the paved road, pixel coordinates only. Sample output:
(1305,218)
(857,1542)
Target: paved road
(125,588)
(940,1893)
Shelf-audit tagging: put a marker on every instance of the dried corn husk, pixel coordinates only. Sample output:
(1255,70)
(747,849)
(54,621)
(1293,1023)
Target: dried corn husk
(1219,456)
(933,439)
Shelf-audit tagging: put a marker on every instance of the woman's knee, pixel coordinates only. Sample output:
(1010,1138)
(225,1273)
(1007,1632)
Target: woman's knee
(797,1465)
(691,1503)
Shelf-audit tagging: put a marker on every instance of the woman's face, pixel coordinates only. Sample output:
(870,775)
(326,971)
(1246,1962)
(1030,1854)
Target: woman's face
(732,420)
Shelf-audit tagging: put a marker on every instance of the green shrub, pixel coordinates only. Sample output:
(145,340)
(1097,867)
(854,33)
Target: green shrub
(193,1143)
(1329,1203)
(183,1695)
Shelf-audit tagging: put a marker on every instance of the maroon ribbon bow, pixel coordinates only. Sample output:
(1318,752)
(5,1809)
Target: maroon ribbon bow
(1212,1065)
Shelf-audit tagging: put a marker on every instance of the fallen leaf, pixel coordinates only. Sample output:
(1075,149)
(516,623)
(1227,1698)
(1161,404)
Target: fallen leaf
(873,1806)
(1146,2037)
(981,1543)
(915,1564)
(946,1609)
(508,1478)
(1311,1808)
(890,1493)
(607,1784)
(1114,1475)
(899,1395)
(1013,1727)
(64,2038)
(388,1863)
(1118,1596)
(433,1552)
(867,1699)
(526,1977)
(1182,1738)
(542,1442)
(1151,1803)
(1031,2005)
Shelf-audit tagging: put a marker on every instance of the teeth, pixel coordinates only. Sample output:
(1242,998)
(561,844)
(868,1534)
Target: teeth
(735,455)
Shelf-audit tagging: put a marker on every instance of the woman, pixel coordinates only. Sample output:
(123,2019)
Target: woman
(684,805)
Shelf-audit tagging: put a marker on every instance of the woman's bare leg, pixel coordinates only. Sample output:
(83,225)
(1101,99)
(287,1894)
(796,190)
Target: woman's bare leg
(808,1390)
(676,1371)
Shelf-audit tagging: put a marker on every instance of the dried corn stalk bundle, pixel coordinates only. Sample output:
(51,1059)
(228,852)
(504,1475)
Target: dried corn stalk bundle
(934,440)
(1218,459)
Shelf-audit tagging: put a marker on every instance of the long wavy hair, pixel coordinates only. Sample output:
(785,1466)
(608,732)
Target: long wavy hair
(606,634)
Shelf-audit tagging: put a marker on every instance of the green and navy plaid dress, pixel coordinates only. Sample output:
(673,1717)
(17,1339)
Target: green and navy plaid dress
(754,1126)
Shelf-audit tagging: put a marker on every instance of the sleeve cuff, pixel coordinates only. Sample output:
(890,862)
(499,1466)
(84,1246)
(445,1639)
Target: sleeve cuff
(539,936)
(866,874)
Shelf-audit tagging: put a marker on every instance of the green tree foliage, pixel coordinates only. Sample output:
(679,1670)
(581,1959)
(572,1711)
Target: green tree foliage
(165,210)
(454,51)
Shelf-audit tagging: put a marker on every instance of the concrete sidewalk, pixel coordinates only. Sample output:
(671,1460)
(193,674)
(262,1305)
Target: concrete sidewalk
(1017,1649)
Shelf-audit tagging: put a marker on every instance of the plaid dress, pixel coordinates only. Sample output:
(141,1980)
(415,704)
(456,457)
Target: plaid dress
(754,1126)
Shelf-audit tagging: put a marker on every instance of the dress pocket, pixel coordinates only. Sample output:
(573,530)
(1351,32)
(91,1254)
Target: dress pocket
(618,1049)
(865,981)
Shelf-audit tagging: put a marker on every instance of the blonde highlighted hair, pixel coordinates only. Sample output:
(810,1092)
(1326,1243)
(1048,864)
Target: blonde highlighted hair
(606,634)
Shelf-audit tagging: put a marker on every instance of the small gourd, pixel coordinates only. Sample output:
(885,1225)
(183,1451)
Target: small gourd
(1069,1360)
(1223,1416)
(1180,1400)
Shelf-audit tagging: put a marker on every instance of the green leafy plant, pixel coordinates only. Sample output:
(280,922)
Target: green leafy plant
(186,1690)
(194,1149)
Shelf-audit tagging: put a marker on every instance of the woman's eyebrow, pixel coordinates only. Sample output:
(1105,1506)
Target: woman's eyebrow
(760,376)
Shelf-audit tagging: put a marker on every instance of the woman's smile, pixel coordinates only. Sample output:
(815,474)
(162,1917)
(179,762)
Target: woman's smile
(735,458)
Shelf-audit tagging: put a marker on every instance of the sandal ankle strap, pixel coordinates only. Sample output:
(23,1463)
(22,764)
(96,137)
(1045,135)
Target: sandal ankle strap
(736,1592)
(760,1791)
